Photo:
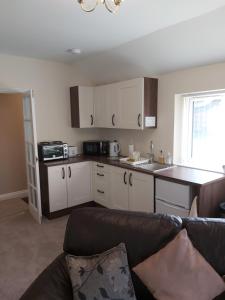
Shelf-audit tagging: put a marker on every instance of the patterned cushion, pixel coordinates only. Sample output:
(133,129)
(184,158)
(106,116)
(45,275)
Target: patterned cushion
(102,276)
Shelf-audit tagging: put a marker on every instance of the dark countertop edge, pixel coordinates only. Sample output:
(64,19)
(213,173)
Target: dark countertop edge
(103,160)
(178,180)
(117,163)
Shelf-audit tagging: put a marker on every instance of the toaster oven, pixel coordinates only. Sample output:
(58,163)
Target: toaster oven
(48,151)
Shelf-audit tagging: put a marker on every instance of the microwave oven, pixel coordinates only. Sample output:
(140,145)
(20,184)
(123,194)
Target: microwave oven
(96,148)
(48,151)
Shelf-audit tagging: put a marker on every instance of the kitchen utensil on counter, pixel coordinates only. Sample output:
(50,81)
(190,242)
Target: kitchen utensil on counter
(169,159)
(73,151)
(151,153)
(131,150)
(161,159)
(136,156)
(114,149)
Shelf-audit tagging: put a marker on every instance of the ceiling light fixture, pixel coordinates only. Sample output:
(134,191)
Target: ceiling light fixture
(90,5)
(74,51)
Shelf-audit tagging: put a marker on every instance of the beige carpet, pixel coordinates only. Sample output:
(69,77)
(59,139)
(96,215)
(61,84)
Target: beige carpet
(26,247)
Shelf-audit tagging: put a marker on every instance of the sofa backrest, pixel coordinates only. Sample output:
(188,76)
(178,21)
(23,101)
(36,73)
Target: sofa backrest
(94,230)
(208,237)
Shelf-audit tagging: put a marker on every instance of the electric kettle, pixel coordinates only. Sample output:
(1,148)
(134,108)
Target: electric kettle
(114,149)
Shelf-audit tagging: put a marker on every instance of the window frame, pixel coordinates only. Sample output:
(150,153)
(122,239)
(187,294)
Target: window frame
(185,157)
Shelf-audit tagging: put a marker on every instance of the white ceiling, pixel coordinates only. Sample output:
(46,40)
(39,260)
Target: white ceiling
(47,28)
(196,42)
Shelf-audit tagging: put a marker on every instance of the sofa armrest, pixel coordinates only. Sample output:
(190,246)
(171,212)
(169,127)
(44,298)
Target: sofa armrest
(52,284)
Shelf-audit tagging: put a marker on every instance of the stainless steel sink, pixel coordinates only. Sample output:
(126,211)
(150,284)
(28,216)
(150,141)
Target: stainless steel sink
(154,167)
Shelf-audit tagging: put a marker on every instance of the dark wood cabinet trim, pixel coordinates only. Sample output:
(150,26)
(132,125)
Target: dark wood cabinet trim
(151,98)
(43,169)
(75,110)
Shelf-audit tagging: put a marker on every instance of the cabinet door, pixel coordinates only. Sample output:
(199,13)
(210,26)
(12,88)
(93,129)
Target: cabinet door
(141,192)
(119,188)
(86,106)
(131,104)
(57,185)
(101,188)
(101,109)
(79,183)
(113,106)
(106,108)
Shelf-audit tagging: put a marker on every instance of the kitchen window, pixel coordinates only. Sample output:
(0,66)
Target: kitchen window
(201,132)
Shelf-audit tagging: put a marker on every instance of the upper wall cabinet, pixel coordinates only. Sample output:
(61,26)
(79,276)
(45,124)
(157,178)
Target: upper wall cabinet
(129,104)
(106,107)
(82,106)
(138,103)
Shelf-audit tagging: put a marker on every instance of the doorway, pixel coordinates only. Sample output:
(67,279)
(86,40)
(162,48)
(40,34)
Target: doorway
(30,148)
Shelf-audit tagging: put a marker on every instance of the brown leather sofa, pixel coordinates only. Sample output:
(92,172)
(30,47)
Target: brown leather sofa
(94,230)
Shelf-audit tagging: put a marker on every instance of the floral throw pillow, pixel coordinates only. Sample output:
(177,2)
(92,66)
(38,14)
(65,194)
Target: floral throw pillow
(102,276)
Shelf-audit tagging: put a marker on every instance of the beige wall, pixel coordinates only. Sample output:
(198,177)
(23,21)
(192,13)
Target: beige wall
(12,149)
(50,82)
(192,80)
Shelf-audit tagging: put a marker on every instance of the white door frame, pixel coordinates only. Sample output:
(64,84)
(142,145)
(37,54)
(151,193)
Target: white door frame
(37,215)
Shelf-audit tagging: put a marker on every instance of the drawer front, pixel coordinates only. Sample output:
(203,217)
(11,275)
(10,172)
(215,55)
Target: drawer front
(101,189)
(174,193)
(168,209)
(100,168)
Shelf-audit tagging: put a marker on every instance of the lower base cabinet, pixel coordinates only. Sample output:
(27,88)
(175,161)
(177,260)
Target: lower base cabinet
(79,183)
(131,190)
(100,175)
(68,185)
(57,188)
(119,194)
(65,186)
(141,192)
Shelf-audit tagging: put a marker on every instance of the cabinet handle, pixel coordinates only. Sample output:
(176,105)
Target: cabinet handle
(113,119)
(101,175)
(101,192)
(139,120)
(130,179)
(99,166)
(63,173)
(92,120)
(124,177)
(70,173)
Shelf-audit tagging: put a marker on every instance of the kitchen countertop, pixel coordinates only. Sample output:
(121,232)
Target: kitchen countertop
(175,173)
(190,175)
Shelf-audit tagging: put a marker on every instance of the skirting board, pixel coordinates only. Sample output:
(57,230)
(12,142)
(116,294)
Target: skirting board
(19,194)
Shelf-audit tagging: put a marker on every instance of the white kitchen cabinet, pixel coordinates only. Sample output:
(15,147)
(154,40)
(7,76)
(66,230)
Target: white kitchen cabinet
(172,198)
(131,104)
(131,190)
(141,192)
(173,193)
(128,104)
(79,183)
(101,184)
(119,195)
(82,106)
(69,185)
(100,106)
(57,187)
(106,109)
